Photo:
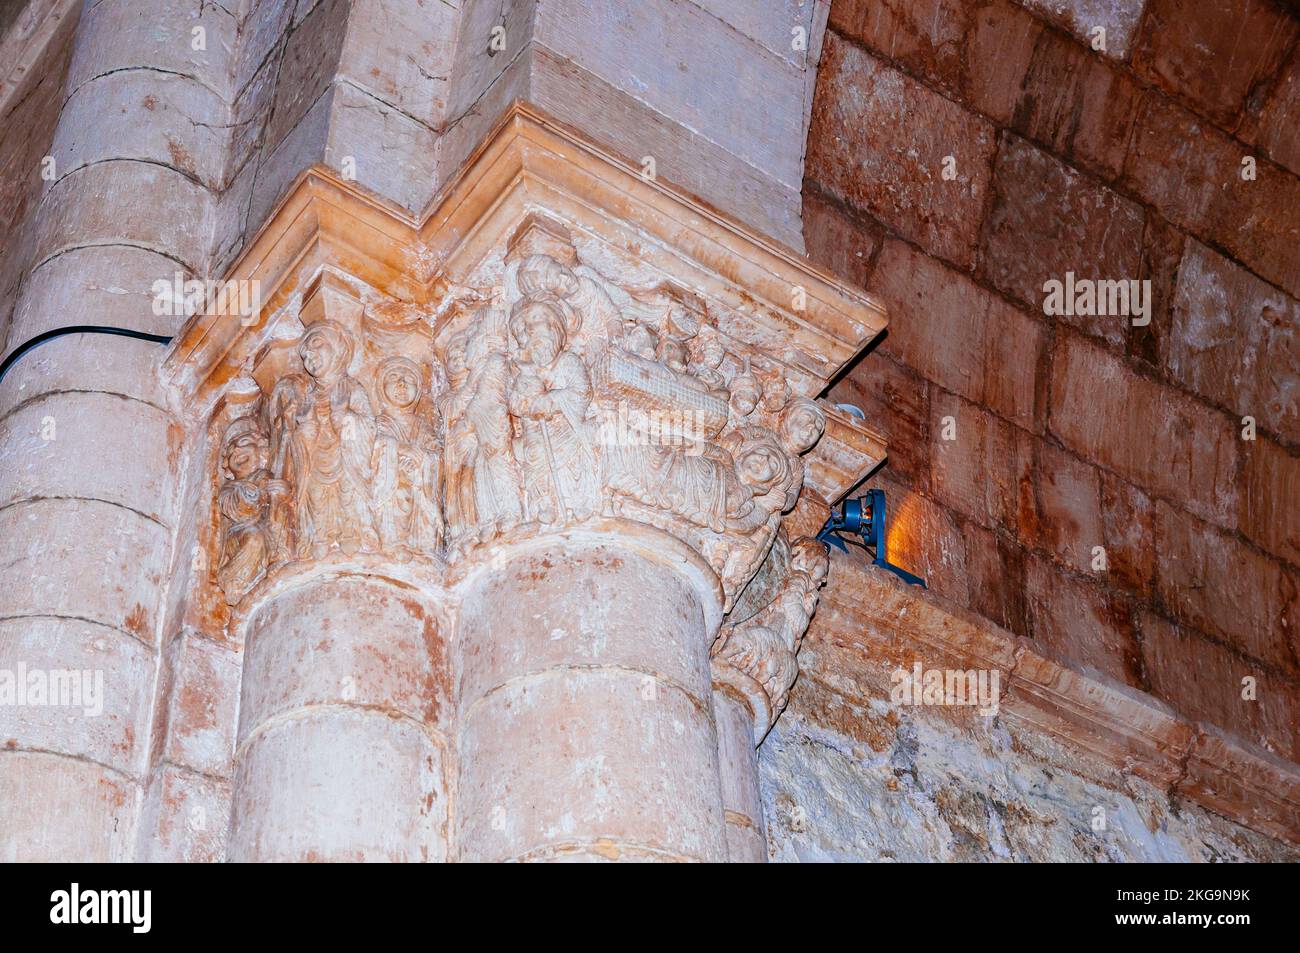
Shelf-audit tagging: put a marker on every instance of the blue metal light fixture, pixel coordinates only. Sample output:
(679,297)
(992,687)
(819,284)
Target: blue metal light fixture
(865,518)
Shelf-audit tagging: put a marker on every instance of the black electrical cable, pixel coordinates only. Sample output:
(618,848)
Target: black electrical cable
(77,329)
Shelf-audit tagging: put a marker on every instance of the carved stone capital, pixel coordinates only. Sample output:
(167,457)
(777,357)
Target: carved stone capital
(556,344)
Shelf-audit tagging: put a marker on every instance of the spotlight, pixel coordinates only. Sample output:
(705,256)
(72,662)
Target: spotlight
(865,518)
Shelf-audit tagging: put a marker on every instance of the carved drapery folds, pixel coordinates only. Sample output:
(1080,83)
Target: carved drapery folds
(550,400)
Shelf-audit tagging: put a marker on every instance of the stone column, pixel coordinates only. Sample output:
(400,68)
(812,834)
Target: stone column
(341,749)
(738,760)
(586,730)
(88,499)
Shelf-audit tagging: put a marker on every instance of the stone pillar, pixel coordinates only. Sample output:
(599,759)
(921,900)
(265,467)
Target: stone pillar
(586,730)
(341,748)
(88,499)
(738,761)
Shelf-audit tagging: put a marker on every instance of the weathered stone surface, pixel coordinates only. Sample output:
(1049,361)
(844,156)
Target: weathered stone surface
(1204,680)
(53,572)
(861,151)
(202,704)
(1225,588)
(1119,18)
(184,818)
(1079,619)
(1213,54)
(48,438)
(370,646)
(985,471)
(109,39)
(1236,340)
(289,803)
(960,336)
(399,53)
(175,122)
(1079,106)
(1278,119)
(836,241)
(1268,512)
(1046,220)
(579,684)
(90,207)
(1192,173)
(1148,433)
(61,809)
(738,768)
(94,691)
(1081,728)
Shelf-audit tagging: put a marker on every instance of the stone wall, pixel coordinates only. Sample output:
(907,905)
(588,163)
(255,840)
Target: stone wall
(1069,433)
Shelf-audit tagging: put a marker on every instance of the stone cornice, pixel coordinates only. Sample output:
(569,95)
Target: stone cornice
(875,617)
(532,160)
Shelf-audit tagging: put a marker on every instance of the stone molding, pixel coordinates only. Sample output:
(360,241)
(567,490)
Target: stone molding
(870,614)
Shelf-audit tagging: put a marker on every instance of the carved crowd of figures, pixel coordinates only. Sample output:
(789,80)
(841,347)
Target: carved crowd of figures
(378,463)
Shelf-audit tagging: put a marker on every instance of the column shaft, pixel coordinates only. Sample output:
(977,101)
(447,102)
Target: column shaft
(341,745)
(586,727)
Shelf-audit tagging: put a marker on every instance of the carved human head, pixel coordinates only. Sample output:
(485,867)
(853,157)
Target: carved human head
(808,556)
(745,392)
(761,463)
(802,423)
(399,383)
(455,361)
(244,449)
(542,274)
(326,350)
(537,326)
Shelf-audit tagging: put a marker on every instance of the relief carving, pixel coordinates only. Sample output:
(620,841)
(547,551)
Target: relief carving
(325,430)
(567,398)
(407,464)
(250,503)
(764,647)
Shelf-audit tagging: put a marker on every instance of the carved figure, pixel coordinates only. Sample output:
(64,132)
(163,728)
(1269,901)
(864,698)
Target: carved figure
(550,397)
(252,537)
(325,451)
(406,465)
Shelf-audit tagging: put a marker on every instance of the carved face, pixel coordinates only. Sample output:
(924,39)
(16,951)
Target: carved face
(538,330)
(803,424)
(744,395)
(244,454)
(400,384)
(457,367)
(325,351)
(760,466)
(809,556)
